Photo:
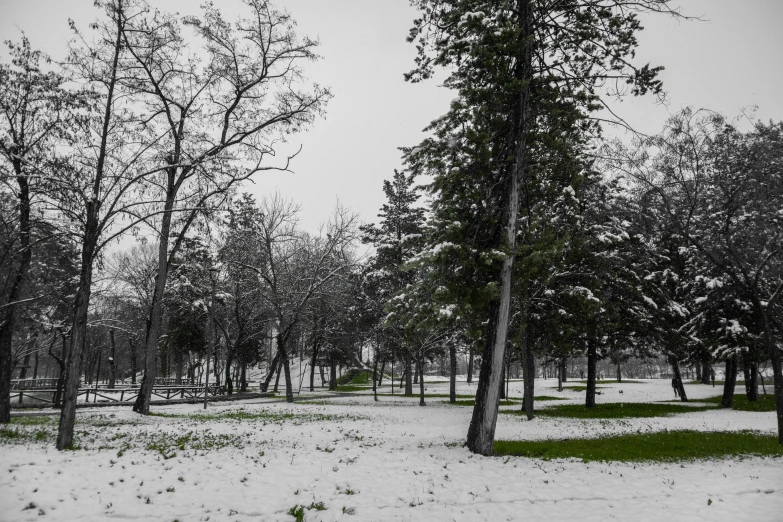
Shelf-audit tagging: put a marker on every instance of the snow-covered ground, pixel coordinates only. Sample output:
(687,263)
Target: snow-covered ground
(366,461)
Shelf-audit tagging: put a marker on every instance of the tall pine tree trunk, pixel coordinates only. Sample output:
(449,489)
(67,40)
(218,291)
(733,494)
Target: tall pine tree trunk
(729,382)
(751,382)
(481,433)
(592,357)
(452,373)
(470,364)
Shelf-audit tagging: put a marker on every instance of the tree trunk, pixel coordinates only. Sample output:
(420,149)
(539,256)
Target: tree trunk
(559,377)
(416,374)
(420,367)
(332,372)
(481,433)
(243,377)
(289,389)
(112,361)
(750,372)
(380,374)
(777,373)
(564,369)
(134,367)
(503,377)
(58,394)
(751,382)
(408,371)
(528,375)
(156,310)
(470,364)
(25,366)
(375,378)
(229,380)
(312,363)
(619,373)
(452,373)
(678,377)
(98,371)
(35,367)
(705,371)
(9,315)
(78,331)
(279,371)
(729,381)
(270,372)
(591,369)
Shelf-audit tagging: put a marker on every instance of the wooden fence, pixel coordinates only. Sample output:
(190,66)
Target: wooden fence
(127,394)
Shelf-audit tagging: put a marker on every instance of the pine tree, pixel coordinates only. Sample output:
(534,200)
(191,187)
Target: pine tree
(508,61)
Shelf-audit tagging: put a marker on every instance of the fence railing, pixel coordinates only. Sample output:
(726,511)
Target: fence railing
(126,394)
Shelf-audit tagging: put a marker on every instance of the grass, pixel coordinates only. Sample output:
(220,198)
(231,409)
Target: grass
(166,444)
(508,402)
(472,402)
(615,410)
(356,376)
(34,420)
(667,446)
(352,388)
(741,402)
(262,416)
(298,511)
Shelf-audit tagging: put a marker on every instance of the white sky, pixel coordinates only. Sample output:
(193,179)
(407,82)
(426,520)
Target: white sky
(729,61)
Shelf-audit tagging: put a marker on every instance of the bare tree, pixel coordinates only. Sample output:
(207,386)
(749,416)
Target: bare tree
(35,112)
(217,111)
(293,267)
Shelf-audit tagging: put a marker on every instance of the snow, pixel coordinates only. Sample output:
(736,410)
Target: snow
(401,461)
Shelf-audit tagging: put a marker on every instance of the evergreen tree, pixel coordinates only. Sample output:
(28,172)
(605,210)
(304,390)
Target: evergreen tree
(511,63)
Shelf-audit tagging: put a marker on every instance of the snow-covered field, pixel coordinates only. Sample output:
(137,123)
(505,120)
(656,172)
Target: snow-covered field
(366,461)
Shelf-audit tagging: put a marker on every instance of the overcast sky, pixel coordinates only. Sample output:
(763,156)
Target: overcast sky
(730,60)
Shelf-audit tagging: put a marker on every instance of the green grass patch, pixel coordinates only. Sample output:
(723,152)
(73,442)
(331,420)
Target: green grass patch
(35,420)
(347,388)
(616,410)
(261,416)
(472,402)
(298,511)
(513,401)
(355,376)
(741,402)
(167,444)
(667,446)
